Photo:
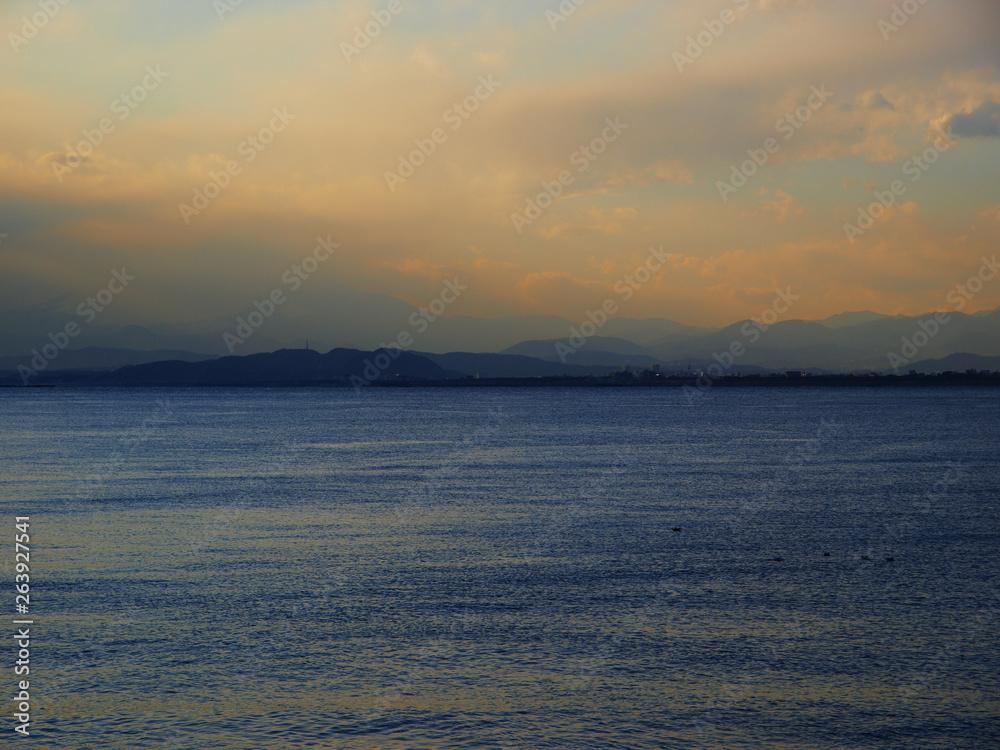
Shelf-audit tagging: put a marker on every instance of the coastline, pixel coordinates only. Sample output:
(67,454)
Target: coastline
(699,383)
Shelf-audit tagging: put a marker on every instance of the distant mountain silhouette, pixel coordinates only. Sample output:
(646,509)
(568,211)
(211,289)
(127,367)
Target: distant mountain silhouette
(362,322)
(285,367)
(856,341)
(601,351)
(352,367)
(852,319)
(99,358)
(955,363)
(339,365)
(511,366)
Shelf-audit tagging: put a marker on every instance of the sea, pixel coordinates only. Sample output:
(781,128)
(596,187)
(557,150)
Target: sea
(504,568)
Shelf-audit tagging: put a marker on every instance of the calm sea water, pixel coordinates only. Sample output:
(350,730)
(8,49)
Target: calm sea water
(478,568)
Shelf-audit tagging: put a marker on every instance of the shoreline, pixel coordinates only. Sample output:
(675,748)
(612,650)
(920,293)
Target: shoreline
(700,383)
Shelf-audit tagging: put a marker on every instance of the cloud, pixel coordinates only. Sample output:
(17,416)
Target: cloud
(420,268)
(769,6)
(665,170)
(782,206)
(875,100)
(594,221)
(672,170)
(424,58)
(654,185)
(538,289)
(982,122)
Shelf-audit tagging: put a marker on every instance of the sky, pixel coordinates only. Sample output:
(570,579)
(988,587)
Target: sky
(422,146)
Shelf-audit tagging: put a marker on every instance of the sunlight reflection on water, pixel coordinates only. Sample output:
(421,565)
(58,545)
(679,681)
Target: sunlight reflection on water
(499,569)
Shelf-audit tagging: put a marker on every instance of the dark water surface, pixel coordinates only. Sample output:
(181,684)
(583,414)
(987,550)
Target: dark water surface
(490,568)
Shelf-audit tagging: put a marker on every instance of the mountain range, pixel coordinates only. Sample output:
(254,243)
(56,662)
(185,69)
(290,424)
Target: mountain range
(515,346)
(351,367)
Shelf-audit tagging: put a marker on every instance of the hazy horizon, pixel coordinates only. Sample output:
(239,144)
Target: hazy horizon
(501,374)
(534,154)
